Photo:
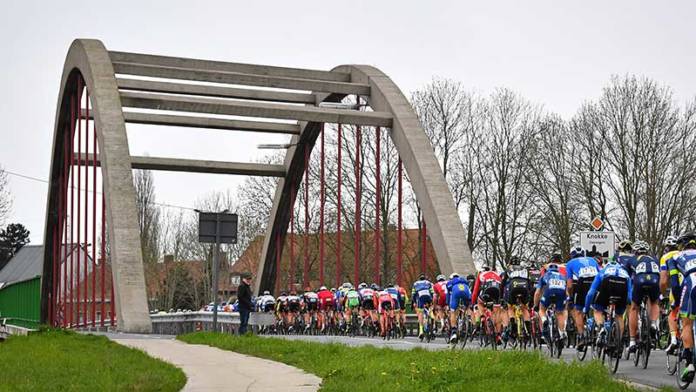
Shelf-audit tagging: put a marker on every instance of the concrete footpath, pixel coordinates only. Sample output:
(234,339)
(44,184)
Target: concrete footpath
(211,369)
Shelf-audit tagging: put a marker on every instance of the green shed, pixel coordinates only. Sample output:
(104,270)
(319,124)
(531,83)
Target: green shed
(20,288)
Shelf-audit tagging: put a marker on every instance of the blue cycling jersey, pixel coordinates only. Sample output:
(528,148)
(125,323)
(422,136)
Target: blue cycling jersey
(626,260)
(552,280)
(645,264)
(685,262)
(394,292)
(582,268)
(457,287)
(613,269)
(422,289)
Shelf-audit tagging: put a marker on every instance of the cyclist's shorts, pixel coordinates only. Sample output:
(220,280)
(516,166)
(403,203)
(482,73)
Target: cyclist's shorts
(517,291)
(269,307)
(282,308)
(554,296)
(423,300)
(687,306)
(397,304)
(312,306)
(402,303)
(458,298)
(612,287)
(386,306)
(294,306)
(580,289)
(368,304)
(646,285)
(328,306)
(491,294)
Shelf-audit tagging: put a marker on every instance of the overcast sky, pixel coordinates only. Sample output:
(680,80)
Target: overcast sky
(554,53)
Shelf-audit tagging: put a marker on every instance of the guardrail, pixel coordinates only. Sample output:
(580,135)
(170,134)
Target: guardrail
(186,322)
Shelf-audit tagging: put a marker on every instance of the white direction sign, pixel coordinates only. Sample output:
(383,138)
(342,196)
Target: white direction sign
(598,242)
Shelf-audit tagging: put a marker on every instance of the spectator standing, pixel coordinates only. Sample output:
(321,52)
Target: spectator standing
(245,304)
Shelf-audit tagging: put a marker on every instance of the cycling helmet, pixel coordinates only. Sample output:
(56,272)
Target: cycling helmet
(322,288)
(362,285)
(377,288)
(347,285)
(552,267)
(688,240)
(441,277)
(374,286)
(454,275)
(641,247)
(283,293)
(266,292)
(333,289)
(576,251)
(626,245)
(670,242)
(421,277)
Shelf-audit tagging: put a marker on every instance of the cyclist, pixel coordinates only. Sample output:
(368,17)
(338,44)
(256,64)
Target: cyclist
(367,301)
(488,293)
(670,251)
(421,296)
(625,255)
(646,283)
(403,298)
(339,298)
(310,301)
(294,307)
(266,302)
(611,281)
(686,263)
(458,300)
(326,306)
(385,308)
(282,307)
(351,302)
(551,289)
(395,293)
(581,271)
(440,300)
(517,284)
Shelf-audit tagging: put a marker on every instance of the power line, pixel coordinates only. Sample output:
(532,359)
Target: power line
(27,177)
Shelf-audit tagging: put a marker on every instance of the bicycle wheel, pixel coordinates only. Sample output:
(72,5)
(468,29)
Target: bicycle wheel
(617,345)
(681,364)
(672,362)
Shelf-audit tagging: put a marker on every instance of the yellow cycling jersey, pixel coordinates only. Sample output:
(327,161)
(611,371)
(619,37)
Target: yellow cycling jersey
(665,257)
(663,267)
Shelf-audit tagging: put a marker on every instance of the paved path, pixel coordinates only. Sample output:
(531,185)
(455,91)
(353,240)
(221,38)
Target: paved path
(653,376)
(211,369)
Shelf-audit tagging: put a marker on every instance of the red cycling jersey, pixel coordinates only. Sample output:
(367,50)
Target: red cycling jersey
(440,293)
(326,299)
(383,297)
(482,278)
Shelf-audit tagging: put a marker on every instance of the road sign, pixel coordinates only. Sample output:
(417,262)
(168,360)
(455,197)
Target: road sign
(207,224)
(602,243)
(597,223)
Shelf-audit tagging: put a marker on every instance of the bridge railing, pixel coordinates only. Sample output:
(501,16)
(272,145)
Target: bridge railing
(186,322)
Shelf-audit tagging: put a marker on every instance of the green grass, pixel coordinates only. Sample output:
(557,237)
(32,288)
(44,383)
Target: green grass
(369,368)
(60,360)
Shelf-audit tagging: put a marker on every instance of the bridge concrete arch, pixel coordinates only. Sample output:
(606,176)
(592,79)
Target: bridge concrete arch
(164,90)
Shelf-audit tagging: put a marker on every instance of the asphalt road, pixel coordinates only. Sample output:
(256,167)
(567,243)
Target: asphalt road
(654,376)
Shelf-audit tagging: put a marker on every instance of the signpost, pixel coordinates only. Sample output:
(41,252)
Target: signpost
(217,228)
(602,243)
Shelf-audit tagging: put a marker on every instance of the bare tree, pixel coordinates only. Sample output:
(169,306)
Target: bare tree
(148,215)
(5,197)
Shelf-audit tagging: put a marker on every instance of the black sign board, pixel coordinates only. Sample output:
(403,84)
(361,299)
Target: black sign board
(208,222)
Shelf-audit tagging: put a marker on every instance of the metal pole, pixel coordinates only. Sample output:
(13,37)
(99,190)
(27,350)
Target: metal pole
(305,271)
(291,273)
(378,190)
(358,180)
(423,251)
(399,225)
(94,214)
(338,214)
(215,270)
(321,212)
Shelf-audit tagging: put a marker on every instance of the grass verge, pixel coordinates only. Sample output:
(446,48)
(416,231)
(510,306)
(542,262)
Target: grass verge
(369,368)
(60,360)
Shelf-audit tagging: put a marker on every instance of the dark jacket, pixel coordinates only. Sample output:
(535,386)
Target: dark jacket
(244,297)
